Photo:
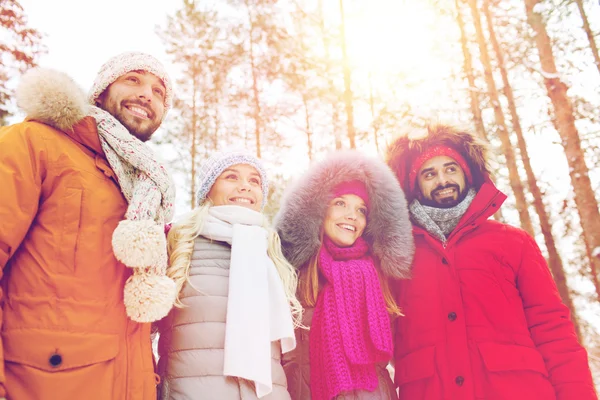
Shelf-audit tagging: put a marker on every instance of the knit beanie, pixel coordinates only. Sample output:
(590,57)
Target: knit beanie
(219,162)
(439,150)
(126,62)
(354,187)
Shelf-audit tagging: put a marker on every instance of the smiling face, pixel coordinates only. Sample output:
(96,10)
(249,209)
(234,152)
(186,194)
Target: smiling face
(441,182)
(136,99)
(345,220)
(239,185)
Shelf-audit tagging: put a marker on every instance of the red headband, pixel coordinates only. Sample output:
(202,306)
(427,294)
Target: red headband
(353,187)
(439,150)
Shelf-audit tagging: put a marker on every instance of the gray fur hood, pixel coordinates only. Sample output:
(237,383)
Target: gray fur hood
(304,206)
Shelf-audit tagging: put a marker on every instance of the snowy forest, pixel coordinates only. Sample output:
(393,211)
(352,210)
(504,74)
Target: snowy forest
(292,80)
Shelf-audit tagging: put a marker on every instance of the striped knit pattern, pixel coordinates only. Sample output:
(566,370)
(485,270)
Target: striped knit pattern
(350,332)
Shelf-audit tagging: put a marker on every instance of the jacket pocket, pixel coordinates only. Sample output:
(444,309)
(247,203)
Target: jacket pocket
(43,364)
(70,218)
(506,357)
(512,372)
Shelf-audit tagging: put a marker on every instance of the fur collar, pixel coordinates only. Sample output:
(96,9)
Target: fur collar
(411,144)
(51,97)
(304,207)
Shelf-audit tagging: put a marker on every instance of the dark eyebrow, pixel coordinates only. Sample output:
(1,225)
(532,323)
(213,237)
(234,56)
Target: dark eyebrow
(426,170)
(144,72)
(445,165)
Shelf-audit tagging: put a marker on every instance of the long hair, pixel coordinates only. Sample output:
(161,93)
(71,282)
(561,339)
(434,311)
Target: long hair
(311,281)
(181,245)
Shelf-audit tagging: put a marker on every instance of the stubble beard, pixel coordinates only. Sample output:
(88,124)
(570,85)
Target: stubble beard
(447,202)
(141,130)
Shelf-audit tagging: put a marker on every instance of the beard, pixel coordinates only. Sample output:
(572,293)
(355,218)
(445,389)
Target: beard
(446,202)
(138,127)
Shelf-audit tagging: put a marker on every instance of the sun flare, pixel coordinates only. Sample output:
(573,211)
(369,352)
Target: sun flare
(391,36)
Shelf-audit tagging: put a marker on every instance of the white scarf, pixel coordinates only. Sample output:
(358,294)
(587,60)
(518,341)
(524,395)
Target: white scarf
(258,311)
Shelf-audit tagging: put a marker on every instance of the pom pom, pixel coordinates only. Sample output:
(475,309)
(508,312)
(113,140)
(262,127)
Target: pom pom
(149,298)
(139,243)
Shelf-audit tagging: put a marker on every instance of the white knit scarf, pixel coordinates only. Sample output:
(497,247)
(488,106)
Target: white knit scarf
(258,311)
(139,240)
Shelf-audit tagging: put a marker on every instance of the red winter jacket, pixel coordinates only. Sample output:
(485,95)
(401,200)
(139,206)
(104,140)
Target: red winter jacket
(484,319)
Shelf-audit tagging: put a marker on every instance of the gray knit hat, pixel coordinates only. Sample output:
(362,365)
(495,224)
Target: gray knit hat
(219,162)
(126,62)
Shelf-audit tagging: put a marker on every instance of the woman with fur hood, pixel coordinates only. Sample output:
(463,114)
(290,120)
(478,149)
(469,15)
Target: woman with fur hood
(236,307)
(345,226)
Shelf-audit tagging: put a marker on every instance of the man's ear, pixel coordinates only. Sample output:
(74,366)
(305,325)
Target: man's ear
(100,99)
(418,194)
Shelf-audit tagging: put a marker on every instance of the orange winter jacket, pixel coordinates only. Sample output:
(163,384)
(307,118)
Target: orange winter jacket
(65,333)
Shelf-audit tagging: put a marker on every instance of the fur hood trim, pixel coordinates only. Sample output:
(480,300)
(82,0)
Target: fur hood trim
(405,149)
(304,206)
(51,97)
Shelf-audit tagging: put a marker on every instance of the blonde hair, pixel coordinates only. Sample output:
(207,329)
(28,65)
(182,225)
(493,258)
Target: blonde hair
(180,245)
(310,282)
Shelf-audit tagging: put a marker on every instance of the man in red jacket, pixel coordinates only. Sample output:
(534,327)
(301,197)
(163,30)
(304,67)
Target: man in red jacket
(483,318)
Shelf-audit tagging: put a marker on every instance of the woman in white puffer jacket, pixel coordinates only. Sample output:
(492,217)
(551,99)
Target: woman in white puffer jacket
(237,306)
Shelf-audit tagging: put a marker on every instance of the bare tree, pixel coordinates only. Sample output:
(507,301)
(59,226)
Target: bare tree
(469,72)
(554,259)
(348,96)
(501,131)
(588,32)
(585,199)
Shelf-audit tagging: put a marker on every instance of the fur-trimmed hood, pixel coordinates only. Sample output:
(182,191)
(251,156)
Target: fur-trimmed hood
(304,206)
(51,97)
(405,150)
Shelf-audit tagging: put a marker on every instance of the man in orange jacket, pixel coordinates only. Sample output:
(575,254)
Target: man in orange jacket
(82,247)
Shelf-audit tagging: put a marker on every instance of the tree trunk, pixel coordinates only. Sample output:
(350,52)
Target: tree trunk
(255,94)
(307,128)
(334,104)
(554,259)
(473,94)
(372,105)
(585,199)
(468,68)
(589,33)
(194,150)
(502,131)
(348,97)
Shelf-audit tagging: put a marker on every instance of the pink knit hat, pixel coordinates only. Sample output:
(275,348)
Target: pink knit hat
(355,187)
(439,150)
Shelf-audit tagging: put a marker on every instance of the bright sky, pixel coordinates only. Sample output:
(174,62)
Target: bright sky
(86,34)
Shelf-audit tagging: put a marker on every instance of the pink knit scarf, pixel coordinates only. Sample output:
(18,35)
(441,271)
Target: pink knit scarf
(350,331)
